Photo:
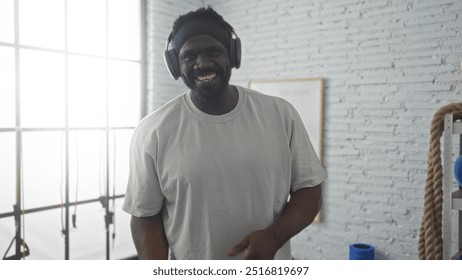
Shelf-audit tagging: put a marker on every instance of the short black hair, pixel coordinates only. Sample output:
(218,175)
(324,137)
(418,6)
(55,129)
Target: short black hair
(206,12)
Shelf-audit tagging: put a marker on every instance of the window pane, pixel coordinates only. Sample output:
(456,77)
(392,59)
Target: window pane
(124,29)
(41,23)
(43,167)
(7,21)
(7,87)
(124,93)
(88,238)
(7,172)
(43,235)
(42,89)
(123,245)
(87,91)
(87,161)
(87,26)
(120,143)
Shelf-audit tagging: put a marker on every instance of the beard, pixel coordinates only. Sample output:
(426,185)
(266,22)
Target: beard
(223,75)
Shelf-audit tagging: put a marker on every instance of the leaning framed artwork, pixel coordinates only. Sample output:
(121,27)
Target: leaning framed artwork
(307,96)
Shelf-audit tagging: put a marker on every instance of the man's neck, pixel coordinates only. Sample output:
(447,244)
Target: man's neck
(221,104)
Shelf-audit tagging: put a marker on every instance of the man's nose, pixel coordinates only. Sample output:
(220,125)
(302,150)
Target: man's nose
(203,62)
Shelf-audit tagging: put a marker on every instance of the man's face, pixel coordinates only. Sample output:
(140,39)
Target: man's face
(204,65)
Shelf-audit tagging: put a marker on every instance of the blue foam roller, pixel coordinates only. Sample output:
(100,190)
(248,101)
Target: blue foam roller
(361,251)
(458,171)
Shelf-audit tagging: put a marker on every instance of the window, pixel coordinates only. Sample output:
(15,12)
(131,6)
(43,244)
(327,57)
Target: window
(71,77)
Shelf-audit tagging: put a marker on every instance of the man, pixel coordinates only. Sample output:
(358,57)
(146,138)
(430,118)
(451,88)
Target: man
(212,170)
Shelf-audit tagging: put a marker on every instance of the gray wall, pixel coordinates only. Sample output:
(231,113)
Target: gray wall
(388,66)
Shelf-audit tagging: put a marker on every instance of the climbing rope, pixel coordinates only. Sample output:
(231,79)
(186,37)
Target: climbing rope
(430,240)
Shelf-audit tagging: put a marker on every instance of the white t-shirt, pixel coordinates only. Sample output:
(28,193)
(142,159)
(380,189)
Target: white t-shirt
(218,178)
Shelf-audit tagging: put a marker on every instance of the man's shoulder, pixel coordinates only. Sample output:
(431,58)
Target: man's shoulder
(266,99)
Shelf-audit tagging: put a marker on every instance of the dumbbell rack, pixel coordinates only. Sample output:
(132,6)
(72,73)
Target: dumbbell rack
(452,197)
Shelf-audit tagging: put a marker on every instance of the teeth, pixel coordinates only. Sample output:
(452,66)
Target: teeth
(207,77)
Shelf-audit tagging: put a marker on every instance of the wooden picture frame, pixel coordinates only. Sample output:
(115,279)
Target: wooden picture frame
(307,96)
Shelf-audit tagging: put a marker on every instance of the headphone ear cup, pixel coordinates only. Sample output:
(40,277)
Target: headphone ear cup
(175,63)
(237,52)
(232,52)
(172,63)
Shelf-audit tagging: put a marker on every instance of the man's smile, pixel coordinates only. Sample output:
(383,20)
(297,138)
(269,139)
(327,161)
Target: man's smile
(206,78)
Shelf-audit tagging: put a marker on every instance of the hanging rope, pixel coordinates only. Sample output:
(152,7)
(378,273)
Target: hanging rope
(430,240)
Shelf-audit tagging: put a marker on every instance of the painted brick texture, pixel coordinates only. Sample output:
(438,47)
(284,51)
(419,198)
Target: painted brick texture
(388,66)
(160,17)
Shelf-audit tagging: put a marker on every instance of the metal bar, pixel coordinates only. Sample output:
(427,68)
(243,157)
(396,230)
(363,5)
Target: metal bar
(55,206)
(27,47)
(44,129)
(66,132)
(33,129)
(460,212)
(460,231)
(107,130)
(457,127)
(447,163)
(456,201)
(18,135)
(108,245)
(5,44)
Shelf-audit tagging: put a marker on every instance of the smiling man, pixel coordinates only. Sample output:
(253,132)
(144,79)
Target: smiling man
(211,172)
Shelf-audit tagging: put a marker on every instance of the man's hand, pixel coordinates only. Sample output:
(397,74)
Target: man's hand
(259,245)
(301,210)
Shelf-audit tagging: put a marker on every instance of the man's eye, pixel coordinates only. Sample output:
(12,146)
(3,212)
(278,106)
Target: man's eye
(188,57)
(214,52)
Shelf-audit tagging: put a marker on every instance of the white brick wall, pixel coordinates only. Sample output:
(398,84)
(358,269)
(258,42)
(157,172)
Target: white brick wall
(160,17)
(388,64)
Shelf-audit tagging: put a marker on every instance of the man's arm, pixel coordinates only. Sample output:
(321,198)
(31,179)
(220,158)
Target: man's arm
(149,237)
(301,210)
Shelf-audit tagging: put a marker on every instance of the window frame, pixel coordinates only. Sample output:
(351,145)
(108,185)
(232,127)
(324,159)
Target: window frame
(108,199)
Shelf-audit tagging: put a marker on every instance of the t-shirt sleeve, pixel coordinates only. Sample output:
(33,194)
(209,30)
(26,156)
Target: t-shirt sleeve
(143,197)
(307,170)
